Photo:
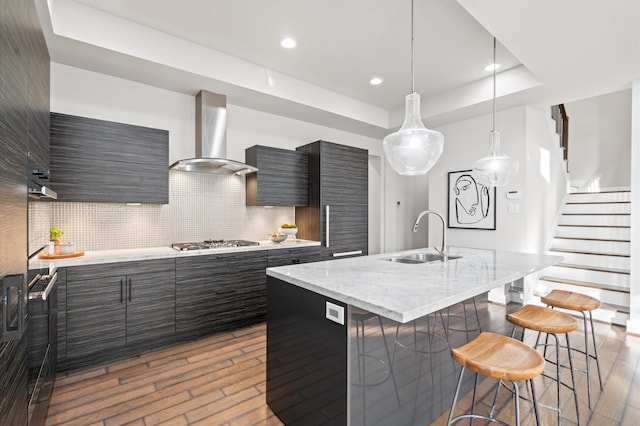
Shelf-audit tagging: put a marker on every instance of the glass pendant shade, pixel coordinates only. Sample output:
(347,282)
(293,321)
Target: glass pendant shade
(413,149)
(496,169)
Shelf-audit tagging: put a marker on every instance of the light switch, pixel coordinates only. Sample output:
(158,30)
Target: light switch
(335,313)
(513,208)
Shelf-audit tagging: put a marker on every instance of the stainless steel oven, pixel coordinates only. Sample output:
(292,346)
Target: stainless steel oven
(42,337)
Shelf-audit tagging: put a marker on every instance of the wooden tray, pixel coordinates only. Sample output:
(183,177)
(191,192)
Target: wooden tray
(47,256)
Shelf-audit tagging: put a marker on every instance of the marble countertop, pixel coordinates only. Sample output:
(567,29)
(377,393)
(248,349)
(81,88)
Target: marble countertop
(403,292)
(128,255)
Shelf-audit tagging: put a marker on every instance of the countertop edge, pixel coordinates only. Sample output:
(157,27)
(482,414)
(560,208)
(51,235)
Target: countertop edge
(287,274)
(150,253)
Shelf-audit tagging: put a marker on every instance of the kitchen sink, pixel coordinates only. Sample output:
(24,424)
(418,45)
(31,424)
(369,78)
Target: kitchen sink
(421,258)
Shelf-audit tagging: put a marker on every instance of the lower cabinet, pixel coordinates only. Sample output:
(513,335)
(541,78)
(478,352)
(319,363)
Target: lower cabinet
(218,292)
(118,306)
(113,310)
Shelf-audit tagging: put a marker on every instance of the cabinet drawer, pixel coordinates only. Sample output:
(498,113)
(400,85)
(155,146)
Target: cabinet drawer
(293,256)
(88,272)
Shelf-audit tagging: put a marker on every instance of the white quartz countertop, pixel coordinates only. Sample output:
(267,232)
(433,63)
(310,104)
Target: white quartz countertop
(128,255)
(403,292)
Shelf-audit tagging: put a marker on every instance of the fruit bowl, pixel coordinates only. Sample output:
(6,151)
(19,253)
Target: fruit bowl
(278,237)
(288,231)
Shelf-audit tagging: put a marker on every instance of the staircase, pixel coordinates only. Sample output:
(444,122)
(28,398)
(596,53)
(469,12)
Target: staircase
(593,236)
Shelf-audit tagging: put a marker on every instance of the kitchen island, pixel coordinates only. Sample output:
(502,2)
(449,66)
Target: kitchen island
(318,368)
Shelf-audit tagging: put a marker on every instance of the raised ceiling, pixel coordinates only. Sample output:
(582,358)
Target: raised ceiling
(549,51)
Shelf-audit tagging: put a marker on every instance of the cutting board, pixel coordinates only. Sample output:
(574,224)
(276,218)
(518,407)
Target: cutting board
(46,256)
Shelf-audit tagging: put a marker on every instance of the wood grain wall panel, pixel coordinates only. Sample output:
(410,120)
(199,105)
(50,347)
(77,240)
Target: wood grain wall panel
(101,161)
(219,291)
(308,218)
(281,179)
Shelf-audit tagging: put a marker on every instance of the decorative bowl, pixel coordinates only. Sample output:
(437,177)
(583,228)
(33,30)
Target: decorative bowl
(289,231)
(278,238)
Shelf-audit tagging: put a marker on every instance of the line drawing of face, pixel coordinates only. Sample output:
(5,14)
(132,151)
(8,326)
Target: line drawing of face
(471,200)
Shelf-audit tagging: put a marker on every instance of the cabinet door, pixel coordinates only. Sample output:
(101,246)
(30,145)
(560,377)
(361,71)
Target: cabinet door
(294,256)
(281,179)
(96,313)
(102,161)
(219,291)
(151,306)
(344,176)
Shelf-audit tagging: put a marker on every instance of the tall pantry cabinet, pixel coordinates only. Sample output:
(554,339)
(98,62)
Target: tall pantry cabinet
(338,211)
(24,130)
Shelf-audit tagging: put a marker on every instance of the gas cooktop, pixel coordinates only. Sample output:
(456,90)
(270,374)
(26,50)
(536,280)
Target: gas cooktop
(213,244)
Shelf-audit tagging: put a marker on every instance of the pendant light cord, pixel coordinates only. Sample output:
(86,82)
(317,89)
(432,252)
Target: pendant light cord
(412,50)
(494,83)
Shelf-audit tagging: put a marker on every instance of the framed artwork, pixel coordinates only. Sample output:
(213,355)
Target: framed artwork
(471,205)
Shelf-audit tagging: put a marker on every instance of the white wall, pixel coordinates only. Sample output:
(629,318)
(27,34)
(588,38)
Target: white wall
(599,136)
(88,94)
(525,135)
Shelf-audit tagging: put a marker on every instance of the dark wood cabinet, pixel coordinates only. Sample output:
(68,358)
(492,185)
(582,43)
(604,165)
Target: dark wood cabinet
(281,179)
(102,161)
(338,213)
(24,97)
(217,292)
(294,256)
(118,306)
(38,75)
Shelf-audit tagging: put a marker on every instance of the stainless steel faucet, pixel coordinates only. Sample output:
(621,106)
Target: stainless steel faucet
(443,246)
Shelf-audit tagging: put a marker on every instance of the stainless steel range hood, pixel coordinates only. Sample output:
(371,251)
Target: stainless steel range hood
(211,139)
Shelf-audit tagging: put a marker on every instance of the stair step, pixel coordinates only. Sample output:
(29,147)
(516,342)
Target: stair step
(600,260)
(612,233)
(592,246)
(594,268)
(597,208)
(587,284)
(595,219)
(596,276)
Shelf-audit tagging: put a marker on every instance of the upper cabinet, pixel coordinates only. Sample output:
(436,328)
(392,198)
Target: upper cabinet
(281,179)
(106,162)
(338,209)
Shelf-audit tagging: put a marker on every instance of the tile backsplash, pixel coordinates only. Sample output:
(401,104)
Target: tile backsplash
(201,206)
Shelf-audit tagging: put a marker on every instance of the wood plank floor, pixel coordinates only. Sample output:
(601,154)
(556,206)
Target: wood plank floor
(220,380)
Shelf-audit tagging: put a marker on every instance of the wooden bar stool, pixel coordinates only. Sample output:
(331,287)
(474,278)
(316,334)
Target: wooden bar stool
(502,358)
(580,303)
(551,322)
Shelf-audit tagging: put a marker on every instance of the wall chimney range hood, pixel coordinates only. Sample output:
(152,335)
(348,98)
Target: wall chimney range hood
(211,139)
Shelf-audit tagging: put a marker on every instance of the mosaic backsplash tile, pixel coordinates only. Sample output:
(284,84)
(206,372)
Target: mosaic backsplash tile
(201,206)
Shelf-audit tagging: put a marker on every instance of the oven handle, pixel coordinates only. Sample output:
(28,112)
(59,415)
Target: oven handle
(34,281)
(45,293)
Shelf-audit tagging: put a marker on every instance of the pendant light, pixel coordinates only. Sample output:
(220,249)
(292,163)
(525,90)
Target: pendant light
(496,169)
(413,149)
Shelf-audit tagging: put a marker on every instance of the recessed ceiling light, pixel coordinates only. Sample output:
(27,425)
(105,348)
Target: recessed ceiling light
(375,81)
(288,43)
(492,67)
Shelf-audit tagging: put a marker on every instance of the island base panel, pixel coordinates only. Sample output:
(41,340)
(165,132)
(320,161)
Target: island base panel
(306,357)
(307,377)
